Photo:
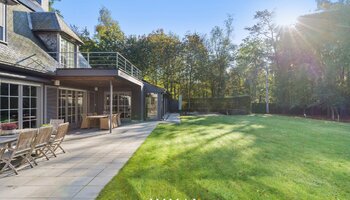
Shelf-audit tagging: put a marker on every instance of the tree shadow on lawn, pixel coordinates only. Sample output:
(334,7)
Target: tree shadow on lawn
(232,163)
(216,164)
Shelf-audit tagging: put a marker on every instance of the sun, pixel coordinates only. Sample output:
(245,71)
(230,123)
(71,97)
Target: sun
(286,18)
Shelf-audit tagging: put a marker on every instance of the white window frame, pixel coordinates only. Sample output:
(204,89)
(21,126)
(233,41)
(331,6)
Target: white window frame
(4,17)
(67,55)
(118,106)
(39,97)
(77,118)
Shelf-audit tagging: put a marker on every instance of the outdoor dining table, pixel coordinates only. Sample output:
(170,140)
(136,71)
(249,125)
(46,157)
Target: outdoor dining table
(7,140)
(92,118)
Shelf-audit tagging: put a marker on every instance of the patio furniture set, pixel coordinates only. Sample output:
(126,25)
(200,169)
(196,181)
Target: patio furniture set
(101,121)
(24,148)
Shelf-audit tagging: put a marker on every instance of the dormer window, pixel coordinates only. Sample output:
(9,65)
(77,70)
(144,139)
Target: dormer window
(3,22)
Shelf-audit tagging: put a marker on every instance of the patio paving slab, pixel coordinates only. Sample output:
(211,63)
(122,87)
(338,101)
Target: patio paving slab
(173,118)
(89,164)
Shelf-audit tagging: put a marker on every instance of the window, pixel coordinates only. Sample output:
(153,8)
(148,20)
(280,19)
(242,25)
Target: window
(19,104)
(67,53)
(70,105)
(121,104)
(30,104)
(9,96)
(152,105)
(3,22)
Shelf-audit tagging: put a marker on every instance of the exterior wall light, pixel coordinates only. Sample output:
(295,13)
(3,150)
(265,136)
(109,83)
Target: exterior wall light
(57,83)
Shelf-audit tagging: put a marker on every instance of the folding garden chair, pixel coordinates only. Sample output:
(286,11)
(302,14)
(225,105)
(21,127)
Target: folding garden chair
(57,140)
(85,122)
(22,149)
(118,119)
(42,139)
(54,123)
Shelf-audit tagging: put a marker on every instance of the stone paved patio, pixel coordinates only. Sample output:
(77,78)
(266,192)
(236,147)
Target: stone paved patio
(89,164)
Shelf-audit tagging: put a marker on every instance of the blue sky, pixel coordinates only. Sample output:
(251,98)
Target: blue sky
(139,17)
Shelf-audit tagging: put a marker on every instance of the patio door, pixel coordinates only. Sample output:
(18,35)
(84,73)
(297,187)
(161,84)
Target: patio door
(71,105)
(121,104)
(152,106)
(20,103)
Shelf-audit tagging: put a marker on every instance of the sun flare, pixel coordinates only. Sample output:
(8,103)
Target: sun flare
(286,18)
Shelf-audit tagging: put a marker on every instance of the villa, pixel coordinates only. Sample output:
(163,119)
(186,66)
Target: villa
(44,76)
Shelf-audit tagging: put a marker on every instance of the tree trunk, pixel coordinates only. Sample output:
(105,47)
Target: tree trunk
(267,91)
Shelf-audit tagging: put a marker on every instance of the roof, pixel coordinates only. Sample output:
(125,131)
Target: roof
(33,5)
(153,88)
(9,2)
(51,22)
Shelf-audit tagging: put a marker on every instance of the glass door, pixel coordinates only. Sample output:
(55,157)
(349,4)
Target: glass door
(19,104)
(152,106)
(71,105)
(121,104)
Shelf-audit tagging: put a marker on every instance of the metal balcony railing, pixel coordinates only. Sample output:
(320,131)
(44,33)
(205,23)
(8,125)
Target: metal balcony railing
(101,60)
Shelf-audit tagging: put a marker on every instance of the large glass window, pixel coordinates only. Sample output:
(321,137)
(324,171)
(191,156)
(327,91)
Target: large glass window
(67,53)
(19,104)
(152,105)
(121,104)
(9,97)
(70,105)
(2,22)
(30,106)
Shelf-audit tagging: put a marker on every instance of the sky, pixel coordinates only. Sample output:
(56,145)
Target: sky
(138,17)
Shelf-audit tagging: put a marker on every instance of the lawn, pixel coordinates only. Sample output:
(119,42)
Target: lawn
(239,157)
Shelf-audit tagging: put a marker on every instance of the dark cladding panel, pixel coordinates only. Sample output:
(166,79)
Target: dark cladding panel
(91,102)
(51,103)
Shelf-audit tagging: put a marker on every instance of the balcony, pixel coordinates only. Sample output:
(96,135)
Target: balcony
(100,60)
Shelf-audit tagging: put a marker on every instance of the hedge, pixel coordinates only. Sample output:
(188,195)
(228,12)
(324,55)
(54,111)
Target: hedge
(227,105)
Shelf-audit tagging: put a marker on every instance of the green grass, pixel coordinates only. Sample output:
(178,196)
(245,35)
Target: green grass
(239,157)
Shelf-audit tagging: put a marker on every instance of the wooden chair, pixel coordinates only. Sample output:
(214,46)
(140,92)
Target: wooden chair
(54,123)
(104,123)
(57,140)
(2,152)
(85,122)
(42,139)
(115,121)
(118,119)
(22,149)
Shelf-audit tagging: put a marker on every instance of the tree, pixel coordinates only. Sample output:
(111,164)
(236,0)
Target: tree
(251,62)
(52,9)
(195,56)
(109,36)
(221,56)
(267,31)
(328,4)
(90,44)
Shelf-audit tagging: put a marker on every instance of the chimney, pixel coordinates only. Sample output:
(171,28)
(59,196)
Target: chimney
(44,4)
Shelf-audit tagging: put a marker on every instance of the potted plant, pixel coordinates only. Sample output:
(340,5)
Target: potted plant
(8,128)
